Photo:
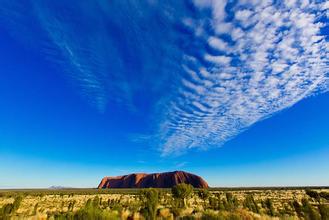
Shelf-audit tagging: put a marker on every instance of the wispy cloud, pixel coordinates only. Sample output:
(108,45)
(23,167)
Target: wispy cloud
(96,45)
(208,69)
(180,165)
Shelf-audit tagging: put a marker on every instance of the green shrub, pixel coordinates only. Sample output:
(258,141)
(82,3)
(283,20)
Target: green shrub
(35,209)
(324,195)
(214,203)
(231,202)
(313,194)
(7,209)
(250,203)
(182,192)
(324,211)
(288,210)
(175,210)
(114,205)
(17,202)
(71,206)
(298,208)
(90,211)
(222,216)
(63,216)
(269,207)
(96,201)
(150,201)
(187,218)
(203,194)
(309,211)
(10,208)
(212,216)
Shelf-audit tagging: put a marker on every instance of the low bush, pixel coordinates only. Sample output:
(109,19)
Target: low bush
(150,201)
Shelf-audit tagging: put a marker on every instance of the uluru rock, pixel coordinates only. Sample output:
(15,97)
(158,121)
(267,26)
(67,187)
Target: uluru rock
(155,180)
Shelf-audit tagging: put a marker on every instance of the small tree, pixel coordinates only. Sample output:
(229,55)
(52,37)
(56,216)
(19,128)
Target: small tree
(91,210)
(297,208)
(324,211)
(182,192)
(17,202)
(204,195)
(71,206)
(10,208)
(35,209)
(324,195)
(96,202)
(313,194)
(231,202)
(269,207)
(251,204)
(150,200)
(310,212)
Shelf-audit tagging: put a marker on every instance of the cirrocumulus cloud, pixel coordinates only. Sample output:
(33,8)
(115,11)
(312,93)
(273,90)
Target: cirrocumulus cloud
(214,67)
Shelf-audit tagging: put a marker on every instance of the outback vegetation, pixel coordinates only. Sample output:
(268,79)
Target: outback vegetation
(180,202)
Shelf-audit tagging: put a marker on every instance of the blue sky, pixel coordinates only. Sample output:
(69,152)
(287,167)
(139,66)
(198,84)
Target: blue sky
(235,91)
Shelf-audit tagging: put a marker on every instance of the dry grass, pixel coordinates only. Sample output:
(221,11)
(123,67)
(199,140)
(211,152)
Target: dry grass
(40,205)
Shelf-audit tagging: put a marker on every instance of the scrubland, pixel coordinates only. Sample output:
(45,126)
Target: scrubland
(180,202)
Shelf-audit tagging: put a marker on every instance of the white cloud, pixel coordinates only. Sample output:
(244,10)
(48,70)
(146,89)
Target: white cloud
(220,60)
(325,5)
(243,15)
(219,14)
(280,59)
(265,56)
(217,43)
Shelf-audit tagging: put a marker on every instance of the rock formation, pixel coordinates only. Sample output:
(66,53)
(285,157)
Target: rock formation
(155,180)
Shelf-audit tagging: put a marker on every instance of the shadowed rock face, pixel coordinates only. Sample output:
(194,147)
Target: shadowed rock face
(155,180)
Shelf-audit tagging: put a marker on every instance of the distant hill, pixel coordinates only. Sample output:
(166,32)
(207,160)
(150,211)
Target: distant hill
(155,180)
(59,187)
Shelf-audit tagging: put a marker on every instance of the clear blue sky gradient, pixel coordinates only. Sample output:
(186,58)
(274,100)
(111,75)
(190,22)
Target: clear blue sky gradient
(57,129)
